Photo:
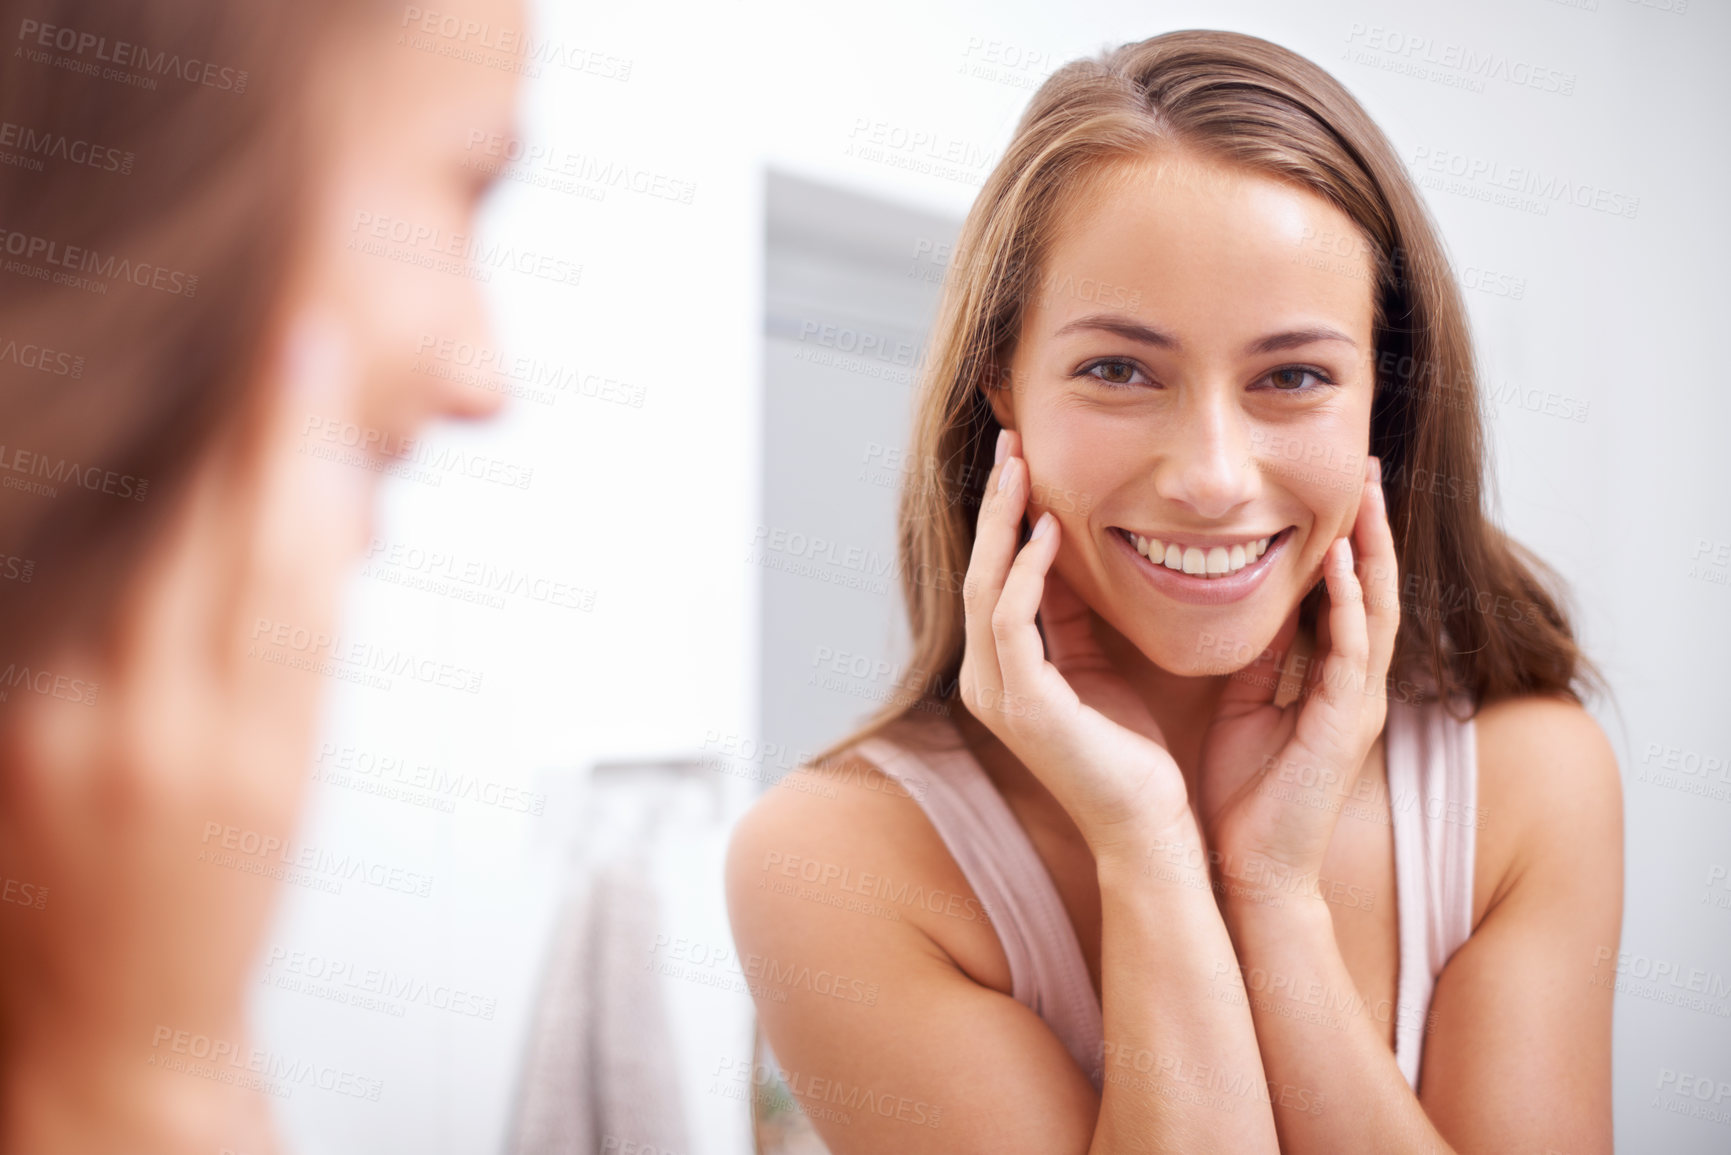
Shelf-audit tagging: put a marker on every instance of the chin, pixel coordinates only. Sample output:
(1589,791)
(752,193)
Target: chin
(1202,641)
(1205,651)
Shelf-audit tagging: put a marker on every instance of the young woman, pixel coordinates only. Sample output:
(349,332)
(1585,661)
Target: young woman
(1248,802)
(187,329)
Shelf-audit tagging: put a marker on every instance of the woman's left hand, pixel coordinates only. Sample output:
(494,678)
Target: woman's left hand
(1275,776)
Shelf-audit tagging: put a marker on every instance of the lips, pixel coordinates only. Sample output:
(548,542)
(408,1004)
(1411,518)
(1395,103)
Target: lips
(1204,559)
(1203,588)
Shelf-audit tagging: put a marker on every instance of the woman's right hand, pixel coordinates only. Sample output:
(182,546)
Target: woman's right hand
(1057,702)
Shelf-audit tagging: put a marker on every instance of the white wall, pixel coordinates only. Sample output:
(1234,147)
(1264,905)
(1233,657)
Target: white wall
(653,508)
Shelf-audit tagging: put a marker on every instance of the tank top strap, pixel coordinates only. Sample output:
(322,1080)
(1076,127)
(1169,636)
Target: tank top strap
(1048,973)
(1432,762)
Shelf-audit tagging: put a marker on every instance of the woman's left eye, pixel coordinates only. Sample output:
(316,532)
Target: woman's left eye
(1290,379)
(1116,372)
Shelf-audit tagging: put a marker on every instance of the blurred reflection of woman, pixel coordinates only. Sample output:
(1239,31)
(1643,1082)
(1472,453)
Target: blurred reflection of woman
(1248,801)
(185,333)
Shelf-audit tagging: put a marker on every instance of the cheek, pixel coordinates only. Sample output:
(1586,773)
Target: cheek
(417,321)
(1322,472)
(1332,508)
(1076,458)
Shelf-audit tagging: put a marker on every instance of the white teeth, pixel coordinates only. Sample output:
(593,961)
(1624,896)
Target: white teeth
(1216,561)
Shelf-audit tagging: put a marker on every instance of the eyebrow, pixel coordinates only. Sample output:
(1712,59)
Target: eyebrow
(1134,330)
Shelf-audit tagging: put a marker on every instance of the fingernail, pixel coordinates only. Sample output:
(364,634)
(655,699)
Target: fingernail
(1004,475)
(1041,526)
(998,453)
(1376,470)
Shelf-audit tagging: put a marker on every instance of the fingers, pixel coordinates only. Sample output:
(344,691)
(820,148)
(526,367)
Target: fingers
(1340,704)
(1021,651)
(1357,629)
(1258,683)
(996,534)
(1378,569)
(1346,699)
(1348,628)
(1067,624)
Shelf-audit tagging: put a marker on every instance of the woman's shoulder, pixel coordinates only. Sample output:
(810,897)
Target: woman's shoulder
(839,800)
(842,849)
(866,799)
(846,804)
(1549,795)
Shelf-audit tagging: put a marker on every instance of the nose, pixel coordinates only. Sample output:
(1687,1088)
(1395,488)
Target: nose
(1207,465)
(466,396)
(462,401)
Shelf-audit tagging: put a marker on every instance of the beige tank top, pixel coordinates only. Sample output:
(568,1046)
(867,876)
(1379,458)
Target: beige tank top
(1432,796)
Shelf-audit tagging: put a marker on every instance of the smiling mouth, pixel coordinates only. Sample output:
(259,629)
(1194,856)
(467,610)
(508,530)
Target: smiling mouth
(1201,561)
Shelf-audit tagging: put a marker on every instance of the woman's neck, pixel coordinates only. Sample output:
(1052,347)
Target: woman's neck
(1181,706)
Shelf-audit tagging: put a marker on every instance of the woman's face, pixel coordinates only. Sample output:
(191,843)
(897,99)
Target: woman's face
(393,189)
(1192,385)
(208,703)
(404,120)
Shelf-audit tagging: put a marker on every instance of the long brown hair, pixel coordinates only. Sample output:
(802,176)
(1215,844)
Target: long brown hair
(149,206)
(1479,616)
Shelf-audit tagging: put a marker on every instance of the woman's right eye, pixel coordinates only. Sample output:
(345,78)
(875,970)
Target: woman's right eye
(1115,372)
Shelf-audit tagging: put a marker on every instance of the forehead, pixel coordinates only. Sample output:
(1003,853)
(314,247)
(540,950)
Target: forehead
(423,76)
(1205,248)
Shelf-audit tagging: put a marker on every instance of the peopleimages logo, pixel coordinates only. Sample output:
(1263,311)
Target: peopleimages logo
(27,247)
(46,683)
(461,38)
(1540,188)
(465,254)
(33,35)
(295,646)
(34,143)
(40,470)
(224,1061)
(263,853)
(27,355)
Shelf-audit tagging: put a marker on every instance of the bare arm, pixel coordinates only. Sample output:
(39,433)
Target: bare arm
(941,1062)
(1518,1057)
(1181,1064)
(963,1066)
